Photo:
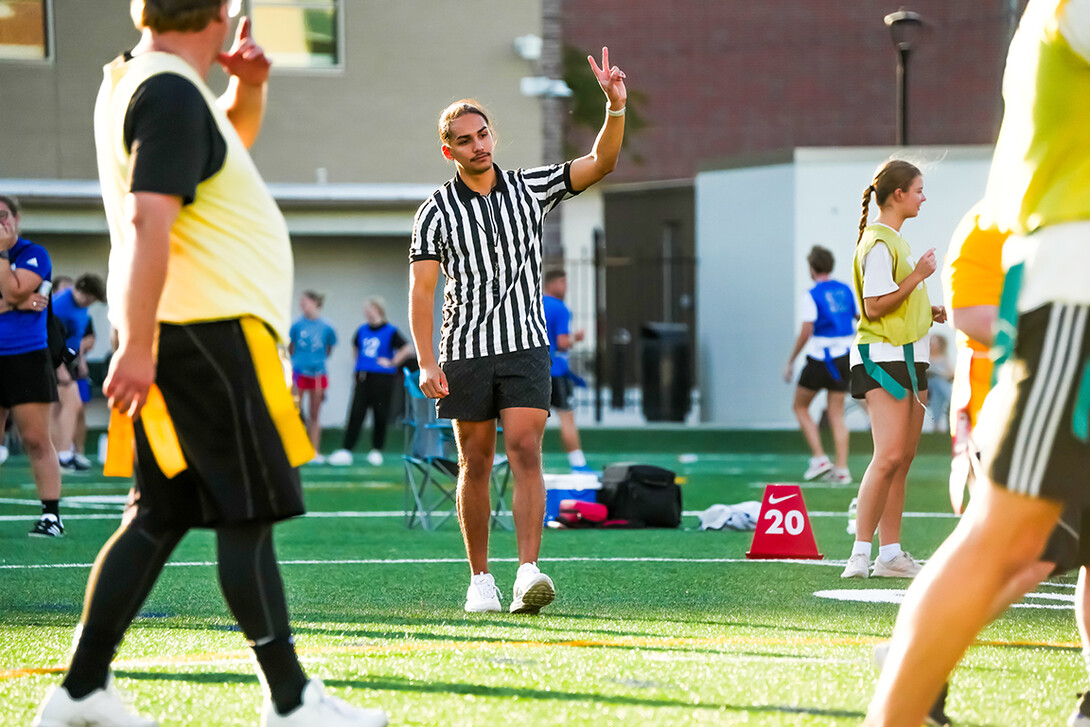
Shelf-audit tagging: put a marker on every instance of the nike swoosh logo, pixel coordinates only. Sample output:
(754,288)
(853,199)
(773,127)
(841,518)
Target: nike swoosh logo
(773,500)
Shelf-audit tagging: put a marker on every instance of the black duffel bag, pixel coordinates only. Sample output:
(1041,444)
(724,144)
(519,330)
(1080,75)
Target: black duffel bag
(645,495)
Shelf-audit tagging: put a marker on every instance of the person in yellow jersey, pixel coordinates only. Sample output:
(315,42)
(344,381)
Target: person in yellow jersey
(200,279)
(1034,429)
(889,364)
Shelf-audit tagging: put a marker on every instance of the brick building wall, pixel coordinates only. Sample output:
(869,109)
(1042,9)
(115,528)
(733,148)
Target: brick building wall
(725,77)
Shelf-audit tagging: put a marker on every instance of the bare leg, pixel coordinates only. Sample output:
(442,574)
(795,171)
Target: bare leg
(523,429)
(890,421)
(64,411)
(889,527)
(835,407)
(33,423)
(79,434)
(569,433)
(476,450)
(314,424)
(1082,614)
(801,406)
(953,598)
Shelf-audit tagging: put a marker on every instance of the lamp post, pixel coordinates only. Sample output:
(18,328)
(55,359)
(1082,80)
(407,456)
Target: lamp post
(904,26)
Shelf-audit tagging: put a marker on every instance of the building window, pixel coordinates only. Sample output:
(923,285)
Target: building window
(299,33)
(23,33)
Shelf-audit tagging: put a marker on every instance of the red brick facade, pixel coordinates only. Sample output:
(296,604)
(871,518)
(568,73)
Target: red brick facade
(730,77)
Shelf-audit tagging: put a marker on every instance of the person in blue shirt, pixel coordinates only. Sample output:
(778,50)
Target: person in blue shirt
(828,329)
(28,384)
(380,350)
(561,338)
(70,308)
(312,340)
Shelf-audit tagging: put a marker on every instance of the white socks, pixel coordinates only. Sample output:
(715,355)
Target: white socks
(889,552)
(861,547)
(577,459)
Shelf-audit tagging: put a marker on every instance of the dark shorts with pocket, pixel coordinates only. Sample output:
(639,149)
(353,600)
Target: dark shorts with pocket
(27,378)
(480,388)
(862,382)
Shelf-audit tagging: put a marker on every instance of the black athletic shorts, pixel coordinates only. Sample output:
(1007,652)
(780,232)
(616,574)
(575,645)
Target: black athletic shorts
(816,376)
(862,381)
(27,378)
(238,470)
(1065,547)
(482,387)
(563,397)
(1033,446)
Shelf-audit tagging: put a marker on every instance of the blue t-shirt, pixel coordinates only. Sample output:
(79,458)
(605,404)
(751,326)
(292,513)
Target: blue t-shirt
(310,339)
(72,316)
(558,323)
(23,331)
(373,343)
(835,309)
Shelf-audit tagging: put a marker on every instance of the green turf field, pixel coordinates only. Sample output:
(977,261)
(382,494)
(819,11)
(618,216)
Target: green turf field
(649,627)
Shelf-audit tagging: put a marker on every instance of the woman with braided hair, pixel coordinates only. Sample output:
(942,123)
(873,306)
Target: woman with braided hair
(889,363)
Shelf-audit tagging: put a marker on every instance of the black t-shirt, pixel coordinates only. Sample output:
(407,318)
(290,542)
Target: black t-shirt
(172,138)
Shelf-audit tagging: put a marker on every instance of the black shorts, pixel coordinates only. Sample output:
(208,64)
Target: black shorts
(862,382)
(480,388)
(238,470)
(563,397)
(816,376)
(1065,547)
(1032,447)
(27,378)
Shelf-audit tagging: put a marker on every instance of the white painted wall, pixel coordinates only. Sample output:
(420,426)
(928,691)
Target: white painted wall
(754,228)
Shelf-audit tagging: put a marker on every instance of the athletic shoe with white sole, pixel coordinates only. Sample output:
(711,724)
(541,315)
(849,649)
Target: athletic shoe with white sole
(482,595)
(374,457)
(321,710)
(839,476)
(818,467)
(1081,716)
(340,458)
(901,566)
(4,454)
(100,708)
(858,567)
(47,526)
(533,590)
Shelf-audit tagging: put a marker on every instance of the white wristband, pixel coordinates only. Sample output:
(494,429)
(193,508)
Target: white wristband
(618,112)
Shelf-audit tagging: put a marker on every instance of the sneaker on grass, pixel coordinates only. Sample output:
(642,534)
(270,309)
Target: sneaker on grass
(901,566)
(482,595)
(102,708)
(321,710)
(374,457)
(74,463)
(48,526)
(818,467)
(858,567)
(340,458)
(533,590)
(1081,716)
(839,476)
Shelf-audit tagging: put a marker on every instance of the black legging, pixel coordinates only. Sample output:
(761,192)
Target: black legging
(372,392)
(127,568)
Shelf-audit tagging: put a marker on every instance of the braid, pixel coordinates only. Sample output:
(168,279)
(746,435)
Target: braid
(866,212)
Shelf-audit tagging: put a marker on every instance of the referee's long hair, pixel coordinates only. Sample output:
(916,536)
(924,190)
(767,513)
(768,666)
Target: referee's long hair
(893,175)
(457,110)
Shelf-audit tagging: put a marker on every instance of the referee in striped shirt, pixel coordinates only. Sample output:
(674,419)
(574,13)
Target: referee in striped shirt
(483,229)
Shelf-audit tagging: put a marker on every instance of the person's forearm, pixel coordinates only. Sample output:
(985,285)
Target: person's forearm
(800,342)
(147,276)
(607,145)
(881,305)
(422,323)
(976,321)
(403,354)
(245,107)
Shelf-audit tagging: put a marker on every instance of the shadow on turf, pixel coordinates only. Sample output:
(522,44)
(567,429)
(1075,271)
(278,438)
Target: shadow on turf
(393,684)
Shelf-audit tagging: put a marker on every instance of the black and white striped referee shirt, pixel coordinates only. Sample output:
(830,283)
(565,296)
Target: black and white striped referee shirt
(490,250)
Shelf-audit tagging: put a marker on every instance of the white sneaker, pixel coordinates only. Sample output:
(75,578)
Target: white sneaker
(858,567)
(321,710)
(102,708)
(374,457)
(901,566)
(340,458)
(4,454)
(482,595)
(839,476)
(818,467)
(533,589)
(317,459)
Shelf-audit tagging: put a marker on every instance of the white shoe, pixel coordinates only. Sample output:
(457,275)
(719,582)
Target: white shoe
(321,710)
(818,467)
(340,458)
(901,566)
(374,457)
(4,454)
(839,476)
(101,708)
(482,595)
(858,567)
(533,589)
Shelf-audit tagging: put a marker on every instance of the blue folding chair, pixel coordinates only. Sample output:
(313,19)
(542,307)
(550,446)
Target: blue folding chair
(431,465)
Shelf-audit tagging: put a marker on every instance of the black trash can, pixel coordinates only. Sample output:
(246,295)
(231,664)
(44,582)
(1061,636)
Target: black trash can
(665,368)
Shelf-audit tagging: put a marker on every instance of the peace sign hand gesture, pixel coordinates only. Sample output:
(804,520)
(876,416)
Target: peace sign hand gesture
(611,79)
(246,60)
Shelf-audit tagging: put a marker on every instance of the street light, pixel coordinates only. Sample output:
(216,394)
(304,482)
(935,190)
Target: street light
(904,28)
